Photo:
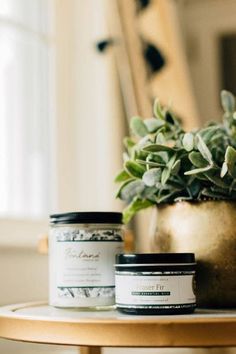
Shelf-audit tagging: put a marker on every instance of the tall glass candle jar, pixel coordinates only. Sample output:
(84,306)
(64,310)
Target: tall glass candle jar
(82,249)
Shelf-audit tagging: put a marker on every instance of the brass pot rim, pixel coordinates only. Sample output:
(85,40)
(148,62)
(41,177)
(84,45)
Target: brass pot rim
(197,202)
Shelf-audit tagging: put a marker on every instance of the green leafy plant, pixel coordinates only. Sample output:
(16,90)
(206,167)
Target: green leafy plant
(165,164)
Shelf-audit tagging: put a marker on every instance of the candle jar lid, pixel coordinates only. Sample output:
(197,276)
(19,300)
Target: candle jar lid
(93,217)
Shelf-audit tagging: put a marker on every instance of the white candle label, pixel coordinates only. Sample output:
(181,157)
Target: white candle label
(86,263)
(155,290)
(82,266)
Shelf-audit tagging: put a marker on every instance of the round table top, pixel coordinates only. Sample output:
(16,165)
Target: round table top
(39,323)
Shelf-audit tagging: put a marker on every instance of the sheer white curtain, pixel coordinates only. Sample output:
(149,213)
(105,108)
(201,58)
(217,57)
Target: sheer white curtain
(25,116)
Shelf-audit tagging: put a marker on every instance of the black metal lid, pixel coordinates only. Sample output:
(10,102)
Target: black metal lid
(93,217)
(155,258)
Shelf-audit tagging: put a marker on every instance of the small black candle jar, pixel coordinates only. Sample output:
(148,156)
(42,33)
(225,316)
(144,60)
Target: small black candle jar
(155,283)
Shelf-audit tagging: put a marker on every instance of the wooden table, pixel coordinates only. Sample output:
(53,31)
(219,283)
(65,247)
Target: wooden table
(39,323)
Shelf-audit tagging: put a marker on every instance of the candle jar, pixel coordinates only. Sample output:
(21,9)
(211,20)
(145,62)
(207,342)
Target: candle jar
(155,283)
(82,249)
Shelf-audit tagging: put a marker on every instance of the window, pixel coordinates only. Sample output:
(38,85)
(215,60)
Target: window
(48,164)
(26,117)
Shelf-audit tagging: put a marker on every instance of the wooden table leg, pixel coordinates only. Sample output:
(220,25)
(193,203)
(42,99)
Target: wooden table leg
(90,350)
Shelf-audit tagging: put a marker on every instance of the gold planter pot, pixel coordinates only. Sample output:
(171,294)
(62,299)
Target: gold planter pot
(208,229)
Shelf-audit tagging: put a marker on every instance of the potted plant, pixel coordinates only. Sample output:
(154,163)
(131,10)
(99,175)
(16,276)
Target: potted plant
(191,178)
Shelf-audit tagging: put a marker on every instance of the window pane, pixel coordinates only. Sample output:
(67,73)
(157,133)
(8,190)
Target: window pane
(24,124)
(30,14)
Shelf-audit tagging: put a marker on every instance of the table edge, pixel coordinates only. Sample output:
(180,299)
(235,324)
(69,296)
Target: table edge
(132,333)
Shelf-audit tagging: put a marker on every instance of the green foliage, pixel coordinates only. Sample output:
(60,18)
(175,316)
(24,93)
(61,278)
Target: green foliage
(138,127)
(165,164)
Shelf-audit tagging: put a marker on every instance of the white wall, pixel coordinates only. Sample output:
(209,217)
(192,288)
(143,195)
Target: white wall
(90,119)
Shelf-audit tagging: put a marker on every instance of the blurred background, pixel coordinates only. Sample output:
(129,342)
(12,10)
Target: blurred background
(72,73)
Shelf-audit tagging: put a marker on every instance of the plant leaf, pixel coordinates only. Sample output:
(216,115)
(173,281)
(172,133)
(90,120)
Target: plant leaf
(201,177)
(149,193)
(227,101)
(224,170)
(174,185)
(165,176)
(157,147)
(131,190)
(176,167)
(128,142)
(230,159)
(122,176)
(166,197)
(160,138)
(208,133)
(141,154)
(152,177)
(125,183)
(134,207)
(197,159)
(150,163)
(213,176)
(144,142)
(213,195)
(171,162)
(153,124)
(157,109)
(138,127)
(160,156)
(180,199)
(202,147)
(167,170)
(134,169)
(218,190)
(197,170)
(188,141)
